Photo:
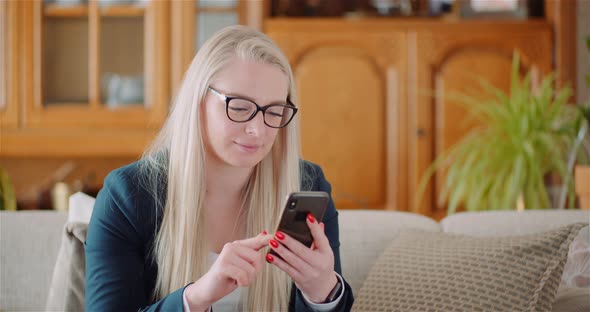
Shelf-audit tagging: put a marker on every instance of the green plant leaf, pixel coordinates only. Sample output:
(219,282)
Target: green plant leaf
(514,81)
(520,137)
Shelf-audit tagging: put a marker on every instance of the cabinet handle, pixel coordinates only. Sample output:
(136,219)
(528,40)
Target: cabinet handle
(420,132)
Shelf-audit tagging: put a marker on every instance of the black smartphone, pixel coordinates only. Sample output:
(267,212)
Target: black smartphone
(297,206)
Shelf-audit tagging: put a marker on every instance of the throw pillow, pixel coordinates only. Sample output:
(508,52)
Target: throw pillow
(66,292)
(576,272)
(449,272)
(572,299)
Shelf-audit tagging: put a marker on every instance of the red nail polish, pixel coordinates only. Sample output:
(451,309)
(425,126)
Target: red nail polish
(274,243)
(310,218)
(264,232)
(279,235)
(269,258)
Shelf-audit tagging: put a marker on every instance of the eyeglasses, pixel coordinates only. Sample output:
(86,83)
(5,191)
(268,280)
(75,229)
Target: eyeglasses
(243,110)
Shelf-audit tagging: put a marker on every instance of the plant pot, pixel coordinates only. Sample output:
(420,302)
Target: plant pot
(582,176)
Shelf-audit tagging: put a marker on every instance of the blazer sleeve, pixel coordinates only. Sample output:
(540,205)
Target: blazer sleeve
(115,256)
(331,229)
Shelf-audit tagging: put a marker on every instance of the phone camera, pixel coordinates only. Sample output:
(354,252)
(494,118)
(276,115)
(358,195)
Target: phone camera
(292,204)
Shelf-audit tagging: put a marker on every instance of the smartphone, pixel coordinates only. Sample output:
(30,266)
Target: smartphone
(297,206)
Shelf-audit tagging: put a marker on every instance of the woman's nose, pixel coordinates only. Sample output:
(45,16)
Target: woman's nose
(256,126)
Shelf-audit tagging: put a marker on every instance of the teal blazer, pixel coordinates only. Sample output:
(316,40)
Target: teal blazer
(121,274)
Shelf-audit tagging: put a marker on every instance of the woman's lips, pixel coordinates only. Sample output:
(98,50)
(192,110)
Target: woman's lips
(249,148)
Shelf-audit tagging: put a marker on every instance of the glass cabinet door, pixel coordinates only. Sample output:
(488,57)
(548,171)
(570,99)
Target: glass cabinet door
(64,57)
(122,57)
(8,70)
(95,63)
(213,15)
(3,55)
(194,21)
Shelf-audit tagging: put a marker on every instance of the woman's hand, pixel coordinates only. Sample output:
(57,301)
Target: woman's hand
(312,269)
(237,265)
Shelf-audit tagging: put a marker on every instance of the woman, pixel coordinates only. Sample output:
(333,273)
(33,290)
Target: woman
(188,226)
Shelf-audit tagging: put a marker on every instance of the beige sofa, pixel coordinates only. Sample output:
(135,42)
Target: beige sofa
(30,240)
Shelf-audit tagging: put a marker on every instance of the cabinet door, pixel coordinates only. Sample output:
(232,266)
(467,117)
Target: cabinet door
(95,64)
(349,89)
(196,21)
(448,60)
(8,65)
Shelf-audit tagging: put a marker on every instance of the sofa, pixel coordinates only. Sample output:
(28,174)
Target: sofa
(30,242)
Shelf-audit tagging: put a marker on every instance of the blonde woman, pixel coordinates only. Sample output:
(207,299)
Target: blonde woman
(188,226)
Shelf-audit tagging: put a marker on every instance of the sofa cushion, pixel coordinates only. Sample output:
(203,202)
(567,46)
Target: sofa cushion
(509,222)
(29,242)
(364,234)
(80,207)
(423,270)
(576,272)
(66,292)
(572,299)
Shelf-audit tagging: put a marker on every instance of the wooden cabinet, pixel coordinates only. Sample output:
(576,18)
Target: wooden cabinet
(8,69)
(371,91)
(95,78)
(90,78)
(350,88)
(372,96)
(448,60)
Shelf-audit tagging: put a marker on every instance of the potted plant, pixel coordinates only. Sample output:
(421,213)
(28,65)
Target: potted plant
(525,135)
(582,169)
(582,144)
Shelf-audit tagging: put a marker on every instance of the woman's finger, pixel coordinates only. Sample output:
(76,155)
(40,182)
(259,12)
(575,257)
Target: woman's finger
(317,232)
(235,273)
(284,266)
(290,257)
(242,251)
(257,242)
(246,266)
(294,246)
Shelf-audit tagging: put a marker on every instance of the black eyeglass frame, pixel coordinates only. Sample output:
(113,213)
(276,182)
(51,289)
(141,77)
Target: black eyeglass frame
(259,108)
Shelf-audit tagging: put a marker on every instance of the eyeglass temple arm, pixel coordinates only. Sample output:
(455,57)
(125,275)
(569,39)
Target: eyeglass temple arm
(221,96)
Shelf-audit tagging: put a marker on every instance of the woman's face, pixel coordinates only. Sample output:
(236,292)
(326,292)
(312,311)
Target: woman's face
(242,144)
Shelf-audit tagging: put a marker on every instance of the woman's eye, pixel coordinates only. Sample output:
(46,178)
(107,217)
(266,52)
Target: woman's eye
(238,109)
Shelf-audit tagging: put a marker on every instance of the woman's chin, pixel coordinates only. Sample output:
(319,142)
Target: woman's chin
(244,162)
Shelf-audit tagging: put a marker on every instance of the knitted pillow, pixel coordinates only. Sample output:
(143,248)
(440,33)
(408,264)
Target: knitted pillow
(449,272)
(66,292)
(576,272)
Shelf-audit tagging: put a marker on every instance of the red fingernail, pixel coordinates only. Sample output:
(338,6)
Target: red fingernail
(269,258)
(279,235)
(310,218)
(274,243)
(264,232)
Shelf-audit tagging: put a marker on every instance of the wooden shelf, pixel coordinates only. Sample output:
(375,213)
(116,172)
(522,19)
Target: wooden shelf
(285,24)
(108,142)
(216,10)
(122,11)
(54,10)
(50,104)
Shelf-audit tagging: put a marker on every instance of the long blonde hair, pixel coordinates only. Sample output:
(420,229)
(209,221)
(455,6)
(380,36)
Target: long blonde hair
(175,163)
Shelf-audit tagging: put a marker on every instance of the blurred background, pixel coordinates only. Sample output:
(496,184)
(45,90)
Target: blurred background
(86,84)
